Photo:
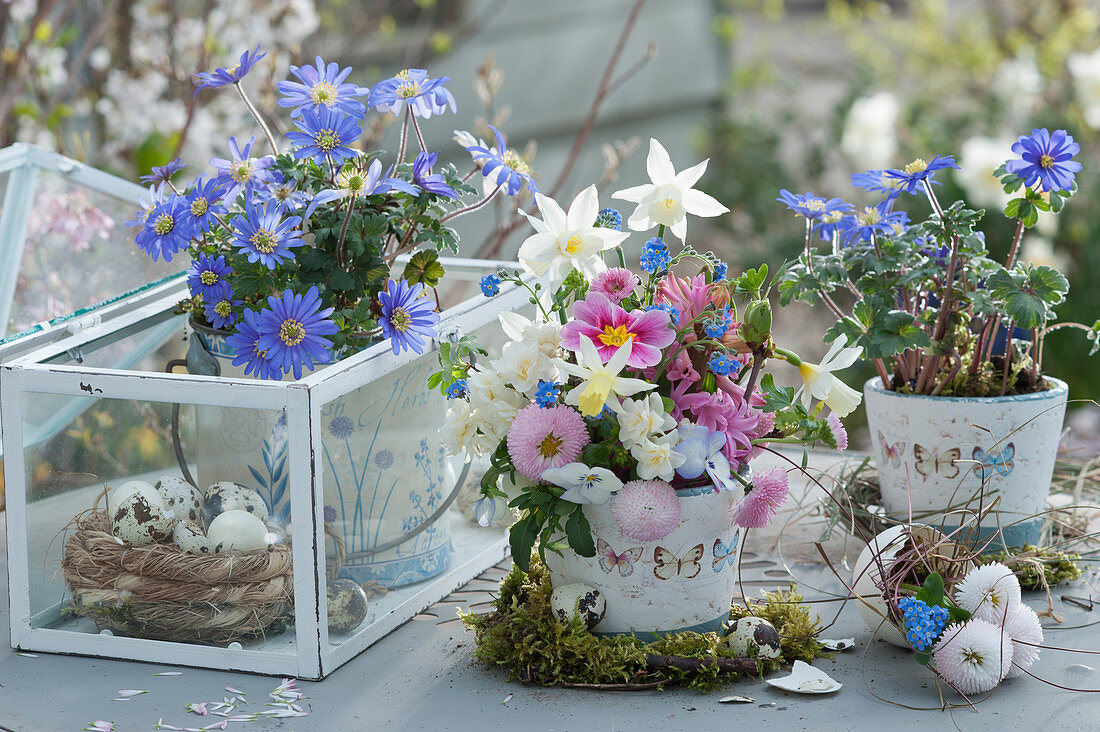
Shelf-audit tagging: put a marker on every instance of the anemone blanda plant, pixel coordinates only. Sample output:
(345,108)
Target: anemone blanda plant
(926,301)
(631,386)
(293,241)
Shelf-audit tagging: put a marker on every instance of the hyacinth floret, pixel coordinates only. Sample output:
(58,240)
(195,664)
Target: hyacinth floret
(609,218)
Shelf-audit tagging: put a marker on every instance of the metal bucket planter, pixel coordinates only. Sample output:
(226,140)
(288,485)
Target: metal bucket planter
(684,581)
(936,455)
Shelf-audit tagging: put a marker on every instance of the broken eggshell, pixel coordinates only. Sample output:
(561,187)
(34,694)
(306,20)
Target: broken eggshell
(805,679)
(237,530)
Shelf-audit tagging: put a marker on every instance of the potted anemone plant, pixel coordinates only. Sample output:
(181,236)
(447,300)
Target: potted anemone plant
(620,422)
(293,242)
(961,414)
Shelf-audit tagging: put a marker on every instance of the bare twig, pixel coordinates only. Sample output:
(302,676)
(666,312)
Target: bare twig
(680,663)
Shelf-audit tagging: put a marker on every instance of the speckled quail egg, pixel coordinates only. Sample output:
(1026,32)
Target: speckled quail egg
(237,530)
(140,520)
(181,498)
(118,495)
(228,496)
(347,606)
(189,538)
(578,599)
(752,637)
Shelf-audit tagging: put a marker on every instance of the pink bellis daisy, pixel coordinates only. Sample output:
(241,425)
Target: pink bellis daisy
(646,510)
(609,326)
(1022,626)
(973,656)
(840,435)
(616,284)
(540,439)
(757,509)
(988,592)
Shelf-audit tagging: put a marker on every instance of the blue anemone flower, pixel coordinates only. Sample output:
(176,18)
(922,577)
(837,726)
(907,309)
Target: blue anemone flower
(292,330)
(231,75)
(204,204)
(322,86)
(407,319)
(325,134)
(246,344)
(163,173)
(812,207)
(222,312)
(207,277)
(423,177)
(876,181)
(265,236)
(910,178)
(424,95)
(512,171)
(877,219)
(1046,157)
(157,195)
(243,172)
(284,194)
(166,230)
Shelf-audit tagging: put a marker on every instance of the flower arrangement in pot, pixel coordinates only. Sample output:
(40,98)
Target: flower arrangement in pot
(621,420)
(960,410)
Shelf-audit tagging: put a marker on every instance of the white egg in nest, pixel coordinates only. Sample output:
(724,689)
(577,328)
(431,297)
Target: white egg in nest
(117,496)
(752,637)
(189,538)
(237,530)
(229,496)
(140,520)
(181,498)
(347,605)
(578,599)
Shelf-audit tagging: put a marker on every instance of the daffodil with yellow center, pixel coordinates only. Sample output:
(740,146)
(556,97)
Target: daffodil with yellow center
(818,381)
(601,381)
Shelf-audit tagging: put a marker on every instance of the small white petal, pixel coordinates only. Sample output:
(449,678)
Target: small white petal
(555,218)
(690,176)
(583,209)
(658,164)
(698,203)
(635,194)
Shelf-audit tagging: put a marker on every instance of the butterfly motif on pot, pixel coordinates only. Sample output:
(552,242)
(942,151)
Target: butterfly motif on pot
(995,462)
(610,559)
(894,453)
(668,566)
(930,463)
(725,553)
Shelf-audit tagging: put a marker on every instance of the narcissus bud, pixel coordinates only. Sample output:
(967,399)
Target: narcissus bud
(756,325)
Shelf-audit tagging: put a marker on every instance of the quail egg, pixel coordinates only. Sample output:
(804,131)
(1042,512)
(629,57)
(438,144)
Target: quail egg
(140,520)
(237,530)
(578,599)
(228,496)
(752,637)
(181,498)
(189,538)
(118,495)
(347,606)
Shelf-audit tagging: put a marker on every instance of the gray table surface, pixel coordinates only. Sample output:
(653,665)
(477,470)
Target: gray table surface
(423,677)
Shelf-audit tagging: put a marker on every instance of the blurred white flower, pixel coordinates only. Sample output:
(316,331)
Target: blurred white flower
(869,138)
(1018,84)
(979,156)
(1039,250)
(1085,70)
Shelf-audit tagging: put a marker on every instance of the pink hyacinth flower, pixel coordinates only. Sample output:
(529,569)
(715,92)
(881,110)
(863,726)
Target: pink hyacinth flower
(609,326)
(690,296)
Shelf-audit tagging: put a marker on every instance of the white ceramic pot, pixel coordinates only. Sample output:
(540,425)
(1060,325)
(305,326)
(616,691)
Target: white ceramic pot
(684,581)
(938,454)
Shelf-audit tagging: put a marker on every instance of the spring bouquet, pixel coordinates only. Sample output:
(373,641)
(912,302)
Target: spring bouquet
(632,388)
(292,250)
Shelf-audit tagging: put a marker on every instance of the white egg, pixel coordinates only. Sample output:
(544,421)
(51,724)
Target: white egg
(139,521)
(347,606)
(189,538)
(229,496)
(118,495)
(237,530)
(578,599)
(752,637)
(181,498)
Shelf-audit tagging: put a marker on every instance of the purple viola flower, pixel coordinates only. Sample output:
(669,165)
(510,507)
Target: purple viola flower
(812,207)
(243,172)
(407,318)
(163,173)
(204,204)
(424,95)
(322,86)
(511,170)
(231,75)
(865,224)
(324,134)
(909,179)
(423,177)
(222,312)
(1046,157)
(246,344)
(292,331)
(166,230)
(265,236)
(207,277)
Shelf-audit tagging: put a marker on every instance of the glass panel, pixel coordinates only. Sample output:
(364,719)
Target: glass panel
(154,558)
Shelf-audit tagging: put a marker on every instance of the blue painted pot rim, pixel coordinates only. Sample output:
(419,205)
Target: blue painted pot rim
(1060,389)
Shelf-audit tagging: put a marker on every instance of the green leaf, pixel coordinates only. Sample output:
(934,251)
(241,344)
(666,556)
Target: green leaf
(932,591)
(579,534)
(922,658)
(522,541)
(424,268)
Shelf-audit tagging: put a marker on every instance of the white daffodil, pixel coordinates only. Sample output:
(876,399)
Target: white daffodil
(640,418)
(601,380)
(583,484)
(459,430)
(519,328)
(657,457)
(819,382)
(523,365)
(670,197)
(566,241)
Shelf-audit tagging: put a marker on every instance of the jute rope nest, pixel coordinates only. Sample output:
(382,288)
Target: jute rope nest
(161,592)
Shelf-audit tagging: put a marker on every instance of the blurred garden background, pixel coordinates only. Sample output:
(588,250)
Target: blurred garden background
(794,94)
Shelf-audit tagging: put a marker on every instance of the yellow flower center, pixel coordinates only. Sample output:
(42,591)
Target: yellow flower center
(164,224)
(595,395)
(1046,161)
(282,193)
(322,92)
(223,308)
(615,336)
(402,74)
(869,216)
(352,182)
(263,242)
(326,139)
(917,166)
(208,277)
(815,205)
(256,348)
(242,171)
(399,319)
(199,207)
(291,332)
(408,89)
(515,162)
(550,446)
(669,204)
(573,245)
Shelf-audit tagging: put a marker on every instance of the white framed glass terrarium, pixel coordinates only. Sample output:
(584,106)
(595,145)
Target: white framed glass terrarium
(357,500)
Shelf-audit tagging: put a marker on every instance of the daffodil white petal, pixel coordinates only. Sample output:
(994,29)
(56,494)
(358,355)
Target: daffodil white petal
(555,218)
(688,177)
(658,164)
(842,398)
(634,194)
(698,203)
(583,210)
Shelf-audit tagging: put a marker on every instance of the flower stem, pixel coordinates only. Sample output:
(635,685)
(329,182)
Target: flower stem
(471,207)
(1015,243)
(343,232)
(419,137)
(404,136)
(256,114)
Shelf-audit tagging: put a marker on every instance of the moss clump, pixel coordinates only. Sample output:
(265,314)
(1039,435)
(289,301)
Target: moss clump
(523,635)
(1027,562)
